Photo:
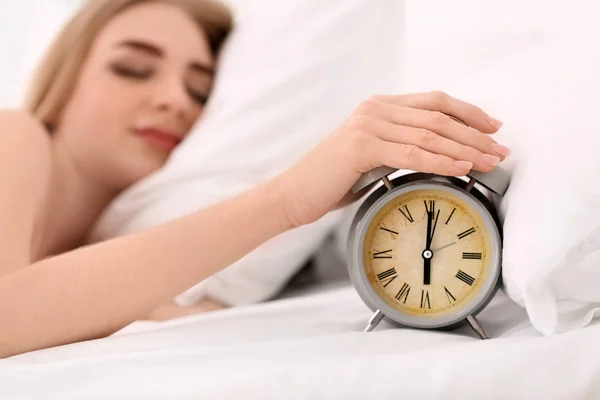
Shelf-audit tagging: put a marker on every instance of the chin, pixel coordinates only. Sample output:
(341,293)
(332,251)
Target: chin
(131,173)
(138,163)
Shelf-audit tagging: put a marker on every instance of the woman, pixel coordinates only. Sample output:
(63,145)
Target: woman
(112,99)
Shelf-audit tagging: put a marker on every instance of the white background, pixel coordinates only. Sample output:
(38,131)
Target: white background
(446,40)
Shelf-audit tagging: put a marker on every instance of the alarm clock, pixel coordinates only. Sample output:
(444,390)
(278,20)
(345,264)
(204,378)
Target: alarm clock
(424,250)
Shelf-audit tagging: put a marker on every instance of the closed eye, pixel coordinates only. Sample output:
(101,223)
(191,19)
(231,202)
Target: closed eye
(134,73)
(199,97)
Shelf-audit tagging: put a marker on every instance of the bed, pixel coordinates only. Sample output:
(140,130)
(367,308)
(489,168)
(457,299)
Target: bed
(309,344)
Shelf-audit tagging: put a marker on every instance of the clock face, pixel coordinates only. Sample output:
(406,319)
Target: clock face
(428,253)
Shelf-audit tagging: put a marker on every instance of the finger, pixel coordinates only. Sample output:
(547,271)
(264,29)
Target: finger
(431,142)
(439,101)
(443,125)
(404,156)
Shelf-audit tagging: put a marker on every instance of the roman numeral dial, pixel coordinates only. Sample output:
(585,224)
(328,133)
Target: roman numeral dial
(387,277)
(395,248)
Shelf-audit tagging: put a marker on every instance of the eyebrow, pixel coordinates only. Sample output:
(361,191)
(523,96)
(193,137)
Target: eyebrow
(158,52)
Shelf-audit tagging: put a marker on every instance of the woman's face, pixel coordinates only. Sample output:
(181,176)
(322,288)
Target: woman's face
(140,90)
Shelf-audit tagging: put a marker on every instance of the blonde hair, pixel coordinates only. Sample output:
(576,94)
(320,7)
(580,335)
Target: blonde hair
(56,74)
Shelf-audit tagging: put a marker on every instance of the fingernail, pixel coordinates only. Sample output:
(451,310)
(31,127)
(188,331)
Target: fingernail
(464,164)
(502,150)
(494,122)
(490,159)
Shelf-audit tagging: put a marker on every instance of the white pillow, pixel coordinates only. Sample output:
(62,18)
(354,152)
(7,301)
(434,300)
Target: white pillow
(548,99)
(533,65)
(449,40)
(289,74)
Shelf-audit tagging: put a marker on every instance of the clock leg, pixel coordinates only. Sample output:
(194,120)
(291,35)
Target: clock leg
(476,327)
(374,321)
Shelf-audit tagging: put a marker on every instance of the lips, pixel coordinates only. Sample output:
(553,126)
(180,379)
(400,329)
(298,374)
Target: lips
(159,138)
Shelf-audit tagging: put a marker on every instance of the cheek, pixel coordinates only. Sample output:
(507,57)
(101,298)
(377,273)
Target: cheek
(104,103)
(96,122)
(96,126)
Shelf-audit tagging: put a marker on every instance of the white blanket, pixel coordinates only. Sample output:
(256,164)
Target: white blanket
(313,347)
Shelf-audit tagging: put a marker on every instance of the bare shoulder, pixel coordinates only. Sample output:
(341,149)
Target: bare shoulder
(21,131)
(25,165)
(25,152)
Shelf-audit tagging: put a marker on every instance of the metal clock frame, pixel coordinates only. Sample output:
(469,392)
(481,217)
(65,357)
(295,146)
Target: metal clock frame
(497,182)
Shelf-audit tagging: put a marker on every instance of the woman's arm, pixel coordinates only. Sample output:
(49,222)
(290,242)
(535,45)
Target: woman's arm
(94,291)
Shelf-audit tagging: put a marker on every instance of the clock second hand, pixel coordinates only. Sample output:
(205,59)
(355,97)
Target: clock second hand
(443,247)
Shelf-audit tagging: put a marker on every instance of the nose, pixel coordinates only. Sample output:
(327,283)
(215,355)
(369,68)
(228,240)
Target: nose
(170,96)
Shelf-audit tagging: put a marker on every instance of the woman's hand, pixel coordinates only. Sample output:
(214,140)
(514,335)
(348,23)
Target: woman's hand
(413,131)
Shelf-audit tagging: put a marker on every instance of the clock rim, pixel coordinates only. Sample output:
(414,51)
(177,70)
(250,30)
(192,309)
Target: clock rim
(356,268)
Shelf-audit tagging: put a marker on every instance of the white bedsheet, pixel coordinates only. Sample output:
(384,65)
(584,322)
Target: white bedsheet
(312,347)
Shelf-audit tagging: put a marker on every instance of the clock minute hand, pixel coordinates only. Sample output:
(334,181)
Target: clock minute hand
(426,271)
(428,240)
(427,260)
